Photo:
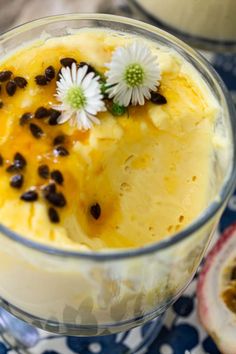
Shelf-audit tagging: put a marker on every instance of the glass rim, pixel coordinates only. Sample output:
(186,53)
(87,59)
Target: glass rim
(207,213)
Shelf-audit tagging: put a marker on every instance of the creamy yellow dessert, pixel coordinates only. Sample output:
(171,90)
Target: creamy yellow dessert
(132,180)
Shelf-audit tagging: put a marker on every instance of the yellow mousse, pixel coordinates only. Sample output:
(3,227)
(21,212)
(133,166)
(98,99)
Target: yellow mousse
(149,170)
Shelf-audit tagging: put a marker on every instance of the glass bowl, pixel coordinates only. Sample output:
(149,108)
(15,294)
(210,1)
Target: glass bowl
(205,24)
(97,293)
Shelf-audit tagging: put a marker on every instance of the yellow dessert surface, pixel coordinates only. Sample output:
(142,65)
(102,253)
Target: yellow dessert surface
(149,170)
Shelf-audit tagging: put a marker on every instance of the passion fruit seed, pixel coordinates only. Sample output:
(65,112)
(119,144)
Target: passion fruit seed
(21,82)
(57,176)
(54,115)
(68,62)
(25,118)
(17,181)
(11,88)
(50,188)
(56,199)
(36,131)
(42,112)
(157,98)
(18,164)
(95,211)
(91,69)
(1,160)
(5,75)
(50,73)
(19,161)
(41,80)
(11,169)
(61,151)
(53,215)
(1,104)
(43,171)
(60,139)
(29,196)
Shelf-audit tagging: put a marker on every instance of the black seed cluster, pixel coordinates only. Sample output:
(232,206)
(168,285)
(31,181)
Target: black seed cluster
(95,211)
(36,131)
(55,198)
(157,98)
(12,83)
(47,77)
(17,181)
(50,193)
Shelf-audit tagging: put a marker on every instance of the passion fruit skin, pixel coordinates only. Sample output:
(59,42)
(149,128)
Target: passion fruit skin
(213,313)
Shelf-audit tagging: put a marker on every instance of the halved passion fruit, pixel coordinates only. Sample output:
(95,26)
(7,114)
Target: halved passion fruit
(216,292)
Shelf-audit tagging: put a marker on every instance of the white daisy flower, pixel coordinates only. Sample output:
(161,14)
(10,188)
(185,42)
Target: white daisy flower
(133,73)
(80,97)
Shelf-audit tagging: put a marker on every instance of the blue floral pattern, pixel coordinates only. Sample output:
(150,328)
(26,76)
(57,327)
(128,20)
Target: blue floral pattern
(178,339)
(209,346)
(101,345)
(3,349)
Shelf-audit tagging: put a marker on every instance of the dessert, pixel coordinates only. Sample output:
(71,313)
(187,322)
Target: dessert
(109,141)
(125,175)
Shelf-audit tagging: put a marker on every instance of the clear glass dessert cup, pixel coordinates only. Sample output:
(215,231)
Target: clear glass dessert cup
(207,25)
(97,293)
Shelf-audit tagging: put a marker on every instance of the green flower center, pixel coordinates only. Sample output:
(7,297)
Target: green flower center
(76,98)
(134,75)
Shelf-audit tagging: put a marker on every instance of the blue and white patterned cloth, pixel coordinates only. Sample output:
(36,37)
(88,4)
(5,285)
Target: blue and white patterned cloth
(179,332)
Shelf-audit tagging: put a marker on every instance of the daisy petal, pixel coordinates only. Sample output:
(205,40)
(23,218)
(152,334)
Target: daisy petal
(64,117)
